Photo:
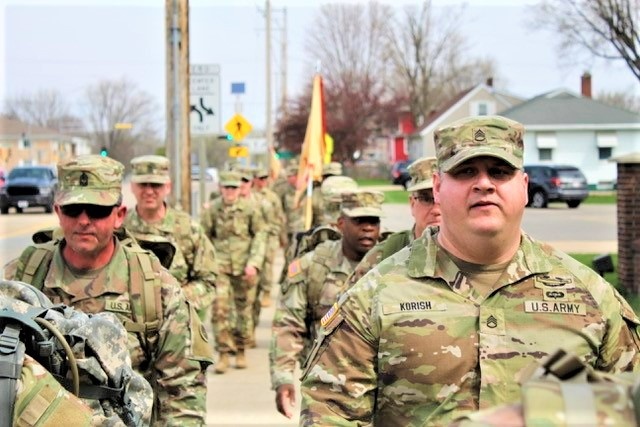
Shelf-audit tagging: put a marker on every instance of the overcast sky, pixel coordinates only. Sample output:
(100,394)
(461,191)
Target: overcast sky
(68,45)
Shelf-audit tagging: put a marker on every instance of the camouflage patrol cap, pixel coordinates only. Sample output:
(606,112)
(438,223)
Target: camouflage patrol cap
(477,136)
(245,172)
(90,179)
(333,168)
(292,170)
(261,172)
(230,179)
(333,186)
(150,169)
(421,172)
(360,202)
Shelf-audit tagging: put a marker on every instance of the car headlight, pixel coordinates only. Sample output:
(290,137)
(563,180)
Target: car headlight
(45,191)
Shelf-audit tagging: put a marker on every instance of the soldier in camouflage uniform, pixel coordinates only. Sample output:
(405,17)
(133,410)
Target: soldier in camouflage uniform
(238,233)
(424,210)
(328,170)
(93,271)
(276,225)
(194,262)
(312,286)
(331,188)
(447,325)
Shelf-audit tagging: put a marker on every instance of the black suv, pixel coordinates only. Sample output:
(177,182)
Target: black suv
(400,174)
(29,186)
(556,183)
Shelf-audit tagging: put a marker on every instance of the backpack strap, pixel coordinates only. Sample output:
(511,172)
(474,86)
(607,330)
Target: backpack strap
(321,255)
(12,352)
(34,264)
(394,243)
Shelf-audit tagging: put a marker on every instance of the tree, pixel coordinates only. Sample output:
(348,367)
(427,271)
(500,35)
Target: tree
(46,108)
(122,118)
(625,100)
(428,56)
(602,28)
(347,40)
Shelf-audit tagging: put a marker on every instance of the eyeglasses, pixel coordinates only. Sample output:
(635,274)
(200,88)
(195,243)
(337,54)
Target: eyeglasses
(230,187)
(423,199)
(93,211)
(153,185)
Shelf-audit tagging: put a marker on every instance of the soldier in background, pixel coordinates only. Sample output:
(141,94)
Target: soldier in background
(328,170)
(276,225)
(194,262)
(448,324)
(312,286)
(91,269)
(238,233)
(424,210)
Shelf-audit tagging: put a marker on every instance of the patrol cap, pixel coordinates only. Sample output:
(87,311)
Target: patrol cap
(90,179)
(230,179)
(292,170)
(246,172)
(476,136)
(334,185)
(421,172)
(361,202)
(333,168)
(261,173)
(150,169)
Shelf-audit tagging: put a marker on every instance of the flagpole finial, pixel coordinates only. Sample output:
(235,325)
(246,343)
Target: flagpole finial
(318,66)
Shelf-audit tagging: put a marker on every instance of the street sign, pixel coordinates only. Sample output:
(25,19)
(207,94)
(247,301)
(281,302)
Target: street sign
(239,151)
(238,127)
(204,97)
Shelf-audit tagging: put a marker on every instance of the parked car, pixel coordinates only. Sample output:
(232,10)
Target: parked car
(29,186)
(556,183)
(400,174)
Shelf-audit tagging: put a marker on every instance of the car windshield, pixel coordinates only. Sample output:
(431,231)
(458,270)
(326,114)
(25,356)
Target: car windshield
(28,173)
(570,173)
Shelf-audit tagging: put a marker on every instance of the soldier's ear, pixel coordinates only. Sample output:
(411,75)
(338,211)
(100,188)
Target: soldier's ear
(121,213)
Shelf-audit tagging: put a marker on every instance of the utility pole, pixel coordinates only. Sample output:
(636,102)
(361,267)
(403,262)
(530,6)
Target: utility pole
(268,128)
(178,143)
(283,63)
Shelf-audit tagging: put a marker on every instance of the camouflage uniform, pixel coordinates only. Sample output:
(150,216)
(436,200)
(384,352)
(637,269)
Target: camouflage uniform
(313,283)
(174,353)
(100,350)
(275,224)
(416,342)
(194,262)
(238,233)
(421,172)
(317,199)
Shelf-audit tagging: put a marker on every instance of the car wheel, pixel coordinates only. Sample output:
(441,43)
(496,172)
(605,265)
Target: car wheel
(573,203)
(4,210)
(405,184)
(539,199)
(19,210)
(48,208)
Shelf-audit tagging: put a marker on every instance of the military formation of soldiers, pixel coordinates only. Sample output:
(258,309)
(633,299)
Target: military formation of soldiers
(418,327)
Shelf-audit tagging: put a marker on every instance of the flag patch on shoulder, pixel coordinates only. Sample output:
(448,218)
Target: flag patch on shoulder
(294,268)
(329,315)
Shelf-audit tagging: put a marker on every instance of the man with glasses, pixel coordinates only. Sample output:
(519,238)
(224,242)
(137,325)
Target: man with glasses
(313,284)
(424,210)
(238,233)
(93,270)
(194,262)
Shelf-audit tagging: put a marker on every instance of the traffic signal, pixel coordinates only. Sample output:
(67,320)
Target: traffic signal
(104,152)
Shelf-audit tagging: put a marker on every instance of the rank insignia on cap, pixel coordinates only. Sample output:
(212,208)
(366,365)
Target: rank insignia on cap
(479,135)
(84,179)
(329,315)
(294,268)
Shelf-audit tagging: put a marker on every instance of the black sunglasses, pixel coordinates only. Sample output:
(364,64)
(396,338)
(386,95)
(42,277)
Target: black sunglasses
(93,211)
(153,185)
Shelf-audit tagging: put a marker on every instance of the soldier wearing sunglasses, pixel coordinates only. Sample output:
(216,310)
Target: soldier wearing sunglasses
(91,269)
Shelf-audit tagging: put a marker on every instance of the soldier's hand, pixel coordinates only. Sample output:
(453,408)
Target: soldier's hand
(286,399)
(250,274)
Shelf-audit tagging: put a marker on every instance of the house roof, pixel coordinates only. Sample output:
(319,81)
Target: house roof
(439,116)
(563,107)
(12,127)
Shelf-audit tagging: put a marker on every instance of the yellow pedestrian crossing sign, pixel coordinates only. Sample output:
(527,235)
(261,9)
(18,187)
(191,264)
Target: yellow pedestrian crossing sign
(238,127)
(239,151)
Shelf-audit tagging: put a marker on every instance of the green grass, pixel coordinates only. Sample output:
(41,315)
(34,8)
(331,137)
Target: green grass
(601,199)
(363,182)
(634,300)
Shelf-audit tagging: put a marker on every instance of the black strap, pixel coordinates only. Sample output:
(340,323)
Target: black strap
(11,360)
(94,392)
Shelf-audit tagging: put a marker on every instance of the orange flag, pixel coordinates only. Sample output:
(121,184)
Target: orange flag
(313,148)
(275,167)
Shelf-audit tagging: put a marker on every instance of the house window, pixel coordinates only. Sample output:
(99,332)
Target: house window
(482,108)
(545,154)
(604,153)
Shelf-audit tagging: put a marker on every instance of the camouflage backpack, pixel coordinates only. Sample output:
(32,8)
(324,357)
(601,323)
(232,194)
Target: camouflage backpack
(144,287)
(46,348)
(563,391)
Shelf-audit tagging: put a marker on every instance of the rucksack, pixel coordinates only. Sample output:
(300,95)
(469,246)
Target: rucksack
(143,282)
(72,347)
(306,241)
